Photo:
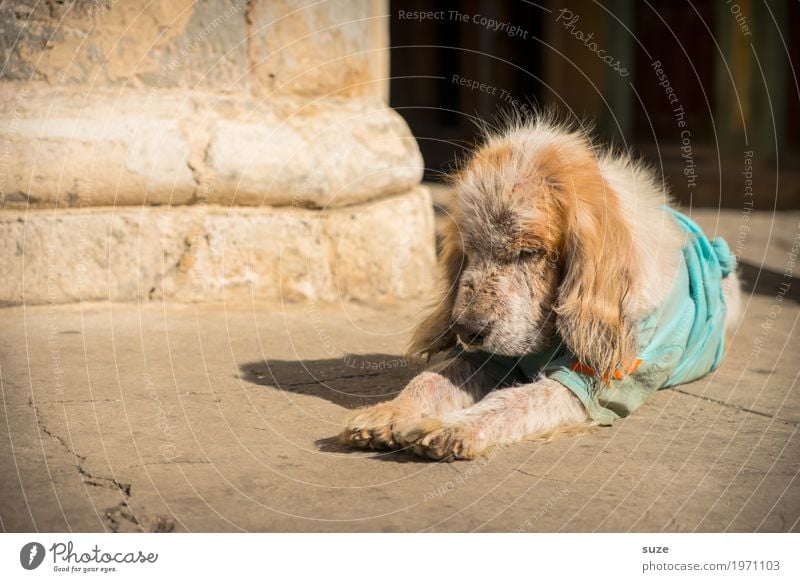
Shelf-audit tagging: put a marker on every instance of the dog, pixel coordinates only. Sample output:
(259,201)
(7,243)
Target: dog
(571,290)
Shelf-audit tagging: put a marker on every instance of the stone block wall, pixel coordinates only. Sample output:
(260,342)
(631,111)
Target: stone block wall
(203,151)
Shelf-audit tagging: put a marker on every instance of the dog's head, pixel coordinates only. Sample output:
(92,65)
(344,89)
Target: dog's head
(535,243)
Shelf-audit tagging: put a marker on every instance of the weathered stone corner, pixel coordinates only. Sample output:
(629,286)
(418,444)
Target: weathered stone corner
(367,252)
(206,151)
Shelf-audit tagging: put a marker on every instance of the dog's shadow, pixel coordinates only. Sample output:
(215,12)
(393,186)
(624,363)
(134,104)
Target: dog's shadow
(351,382)
(763,281)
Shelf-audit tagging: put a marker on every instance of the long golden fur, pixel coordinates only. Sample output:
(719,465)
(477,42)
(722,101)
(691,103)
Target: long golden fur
(547,233)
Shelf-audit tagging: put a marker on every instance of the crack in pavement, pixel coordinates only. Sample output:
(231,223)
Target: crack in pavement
(114,514)
(553,479)
(736,406)
(118,514)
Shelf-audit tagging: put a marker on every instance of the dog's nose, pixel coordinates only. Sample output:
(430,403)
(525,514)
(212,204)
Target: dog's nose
(473,331)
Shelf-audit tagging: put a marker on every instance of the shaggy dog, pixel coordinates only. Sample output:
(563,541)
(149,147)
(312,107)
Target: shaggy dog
(571,291)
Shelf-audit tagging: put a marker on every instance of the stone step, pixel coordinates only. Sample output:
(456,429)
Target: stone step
(76,148)
(370,252)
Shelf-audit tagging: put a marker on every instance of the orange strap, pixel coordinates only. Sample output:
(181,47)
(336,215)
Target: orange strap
(618,374)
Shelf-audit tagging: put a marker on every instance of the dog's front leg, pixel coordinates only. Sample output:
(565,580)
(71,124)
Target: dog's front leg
(505,416)
(447,386)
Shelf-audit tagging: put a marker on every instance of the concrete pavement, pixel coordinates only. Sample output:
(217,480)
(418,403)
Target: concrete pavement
(222,417)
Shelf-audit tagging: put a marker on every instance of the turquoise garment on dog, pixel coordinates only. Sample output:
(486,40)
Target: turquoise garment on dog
(681,341)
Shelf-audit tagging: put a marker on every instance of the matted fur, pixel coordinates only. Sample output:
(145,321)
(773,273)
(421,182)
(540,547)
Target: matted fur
(547,233)
(435,333)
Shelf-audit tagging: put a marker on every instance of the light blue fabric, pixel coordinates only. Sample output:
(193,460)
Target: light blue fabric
(681,341)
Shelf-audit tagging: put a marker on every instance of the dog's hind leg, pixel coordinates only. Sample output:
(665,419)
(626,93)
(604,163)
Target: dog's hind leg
(732,290)
(447,386)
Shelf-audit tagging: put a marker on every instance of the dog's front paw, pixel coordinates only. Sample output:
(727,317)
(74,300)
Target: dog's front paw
(440,439)
(371,428)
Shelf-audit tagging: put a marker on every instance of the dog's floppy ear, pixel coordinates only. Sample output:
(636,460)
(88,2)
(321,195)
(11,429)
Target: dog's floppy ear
(594,303)
(434,333)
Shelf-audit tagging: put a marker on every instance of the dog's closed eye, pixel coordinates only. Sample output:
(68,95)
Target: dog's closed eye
(531,253)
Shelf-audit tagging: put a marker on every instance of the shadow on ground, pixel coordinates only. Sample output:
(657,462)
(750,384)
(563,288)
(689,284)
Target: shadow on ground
(763,281)
(351,381)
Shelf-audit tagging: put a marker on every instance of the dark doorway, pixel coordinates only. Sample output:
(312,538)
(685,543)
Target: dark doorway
(455,62)
(679,39)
